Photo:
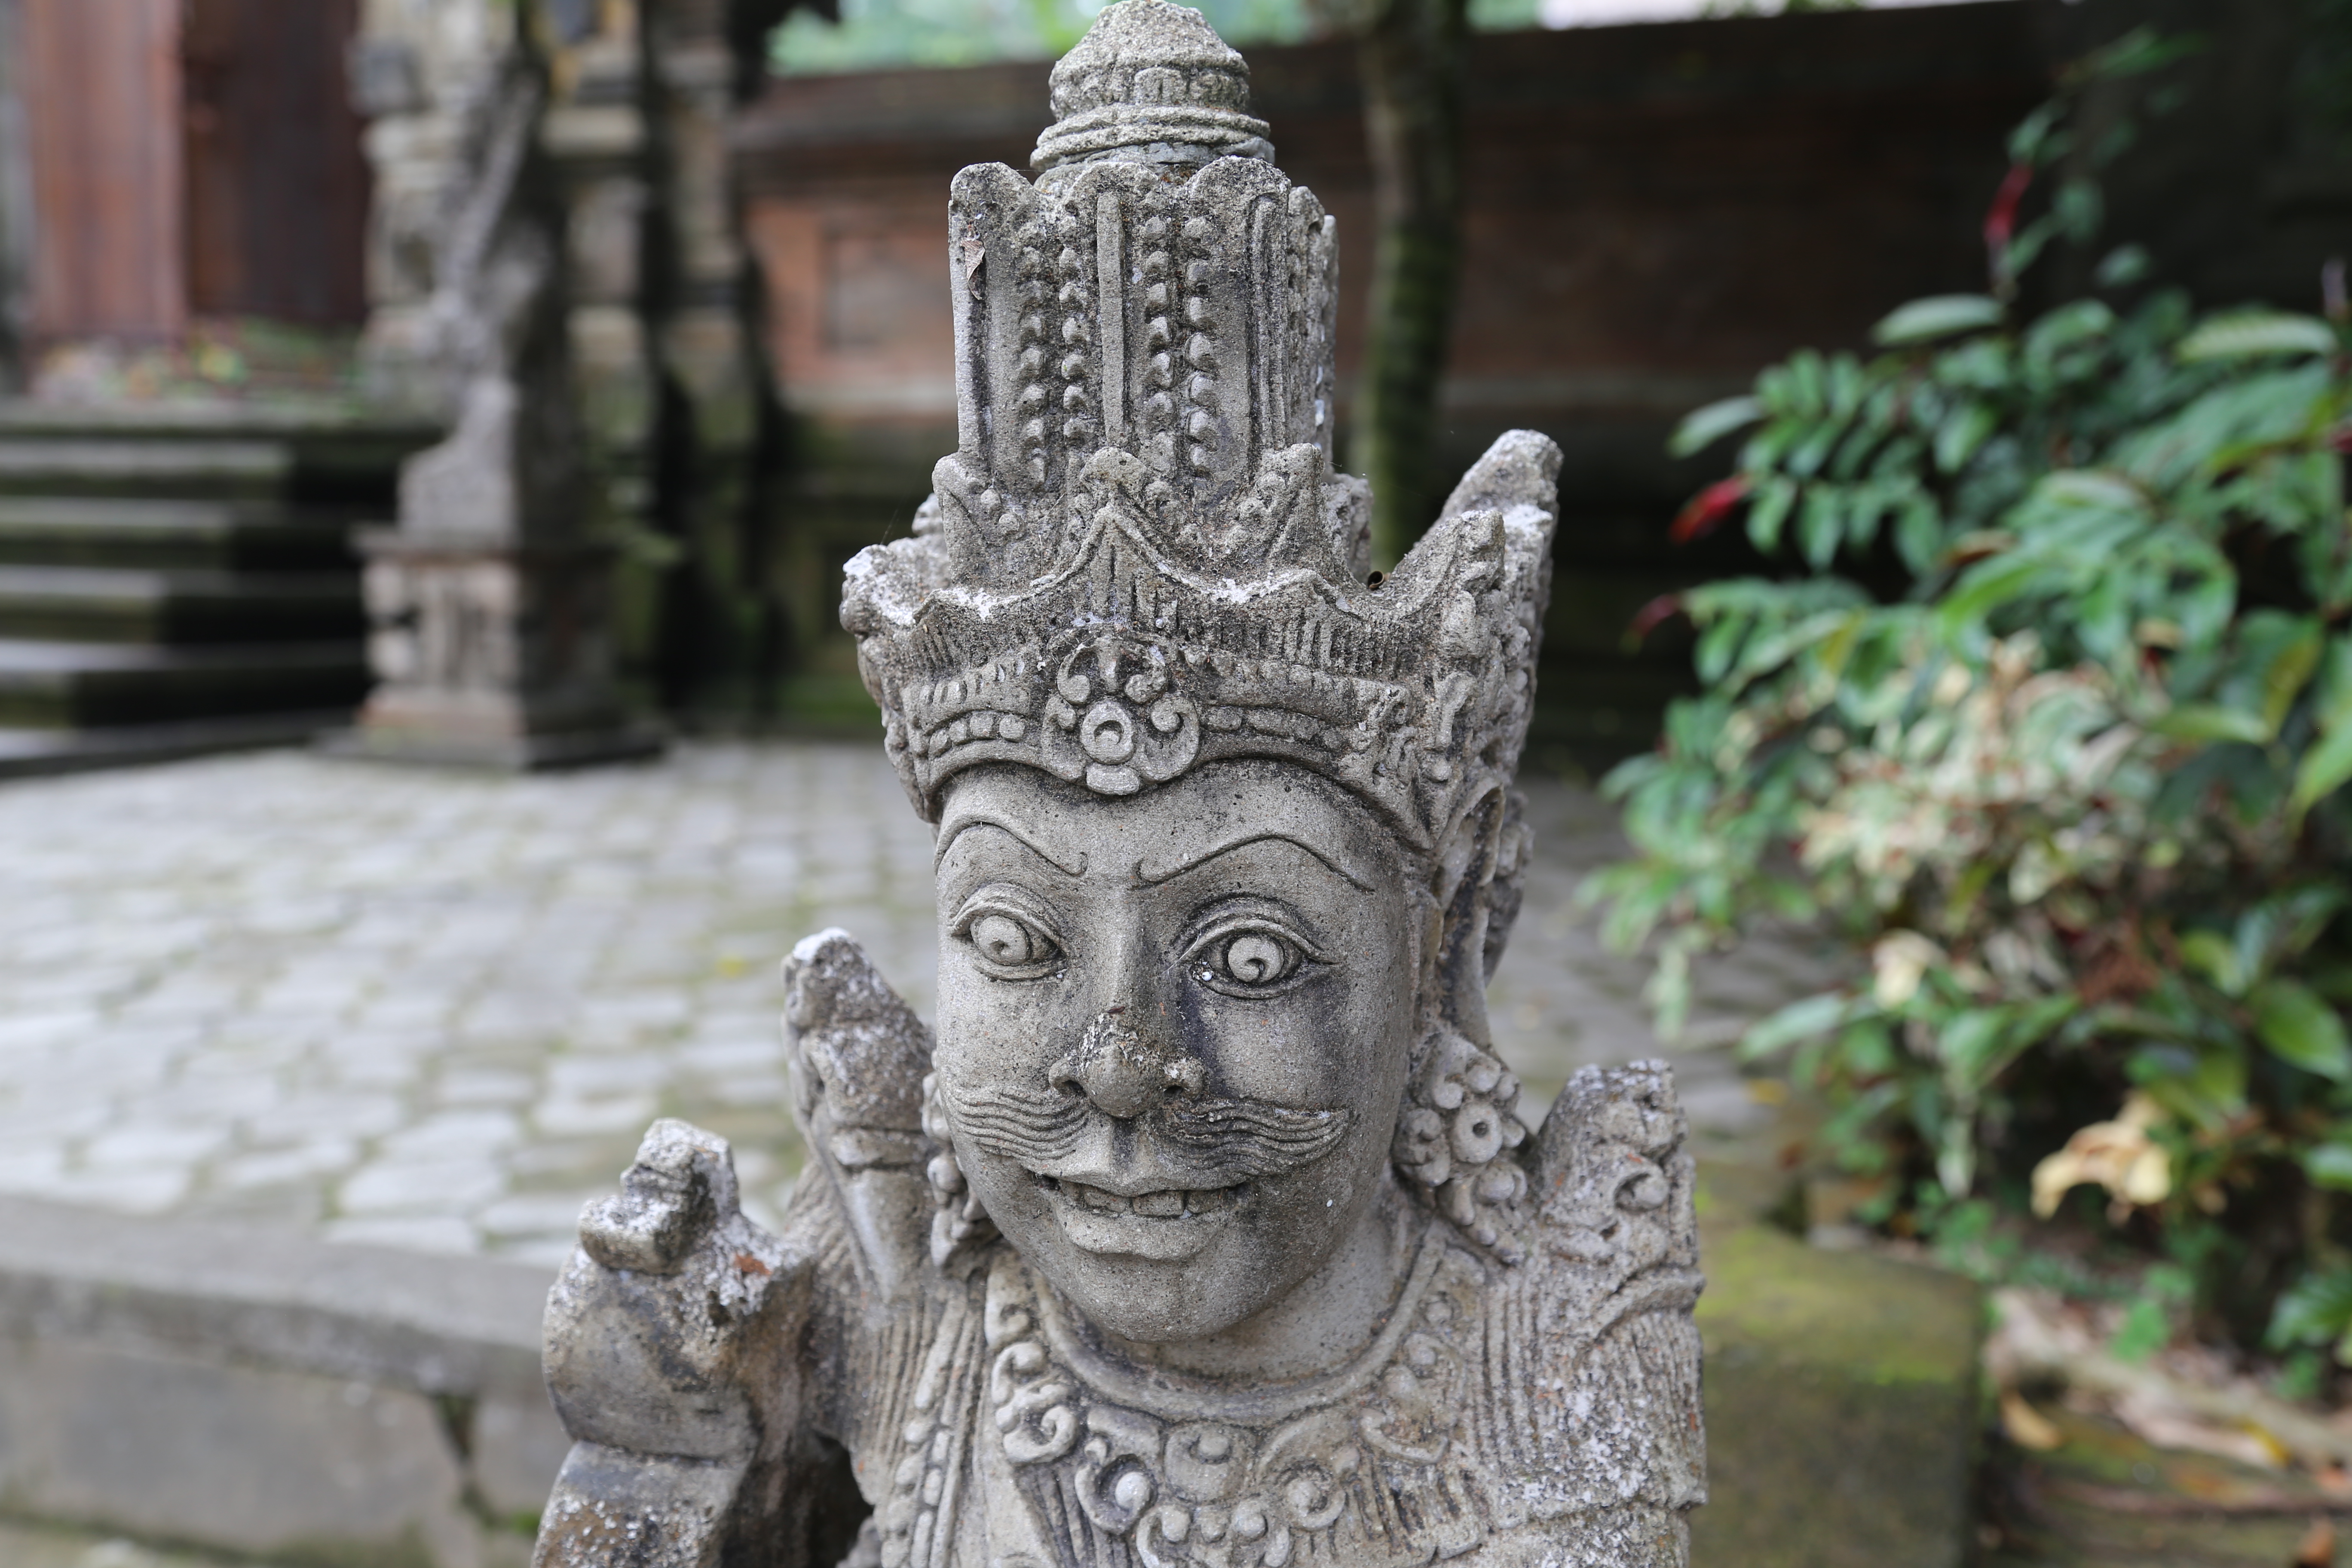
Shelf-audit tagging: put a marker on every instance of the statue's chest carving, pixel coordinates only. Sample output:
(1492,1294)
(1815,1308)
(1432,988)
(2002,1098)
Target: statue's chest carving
(1375,1463)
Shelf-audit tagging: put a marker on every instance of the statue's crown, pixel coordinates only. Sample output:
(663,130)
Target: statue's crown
(1138,557)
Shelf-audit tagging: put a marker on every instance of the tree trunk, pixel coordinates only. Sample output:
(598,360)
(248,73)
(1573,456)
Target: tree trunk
(1413,53)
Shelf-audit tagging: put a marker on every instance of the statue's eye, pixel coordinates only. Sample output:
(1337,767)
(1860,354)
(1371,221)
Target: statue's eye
(1249,958)
(1257,958)
(1006,942)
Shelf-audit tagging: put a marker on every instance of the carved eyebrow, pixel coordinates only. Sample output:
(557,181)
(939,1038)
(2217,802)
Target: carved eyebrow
(1149,875)
(982,819)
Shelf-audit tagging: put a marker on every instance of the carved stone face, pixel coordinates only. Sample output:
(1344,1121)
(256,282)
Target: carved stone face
(1173,1031)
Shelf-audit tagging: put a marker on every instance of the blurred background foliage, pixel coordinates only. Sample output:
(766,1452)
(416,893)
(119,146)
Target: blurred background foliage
(2047,711)
(877,33)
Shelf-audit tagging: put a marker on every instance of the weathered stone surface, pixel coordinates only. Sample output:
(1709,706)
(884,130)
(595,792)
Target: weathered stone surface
(254,1392)
(1841,1399)
(1206,1230)
(247,1459)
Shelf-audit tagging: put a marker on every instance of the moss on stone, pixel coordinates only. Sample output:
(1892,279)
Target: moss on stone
(1840,1407)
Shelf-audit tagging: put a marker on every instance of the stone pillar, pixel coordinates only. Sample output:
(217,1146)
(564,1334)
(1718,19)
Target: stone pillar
(488,602)
(716,426)
(673,387)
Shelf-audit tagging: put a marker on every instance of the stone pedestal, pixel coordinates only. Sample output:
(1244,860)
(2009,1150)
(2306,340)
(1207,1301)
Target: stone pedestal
(489,603)
(490,655)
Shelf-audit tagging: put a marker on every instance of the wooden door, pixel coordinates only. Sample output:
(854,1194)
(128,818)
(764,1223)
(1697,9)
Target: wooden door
(101,80)
(278,186)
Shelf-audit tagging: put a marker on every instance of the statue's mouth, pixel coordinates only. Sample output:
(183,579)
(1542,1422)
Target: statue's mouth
(1165,1225)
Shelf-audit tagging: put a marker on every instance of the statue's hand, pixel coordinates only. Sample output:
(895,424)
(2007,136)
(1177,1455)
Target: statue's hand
(678,1192)
(670,1332)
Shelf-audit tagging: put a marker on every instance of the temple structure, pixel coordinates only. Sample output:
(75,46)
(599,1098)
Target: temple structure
(1204,1229)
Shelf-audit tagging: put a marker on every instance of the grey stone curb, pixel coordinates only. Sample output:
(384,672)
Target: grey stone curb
(437,1325)
(256,1392)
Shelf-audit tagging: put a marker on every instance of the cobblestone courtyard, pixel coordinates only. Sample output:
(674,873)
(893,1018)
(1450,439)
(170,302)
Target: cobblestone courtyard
(435,1010)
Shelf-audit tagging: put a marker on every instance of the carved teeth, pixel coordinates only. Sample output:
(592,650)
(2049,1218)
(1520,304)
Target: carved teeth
(1170,1203)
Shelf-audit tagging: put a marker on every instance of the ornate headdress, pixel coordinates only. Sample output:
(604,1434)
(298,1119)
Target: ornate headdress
(1139,558)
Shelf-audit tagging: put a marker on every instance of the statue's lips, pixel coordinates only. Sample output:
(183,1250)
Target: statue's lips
(1166,1225)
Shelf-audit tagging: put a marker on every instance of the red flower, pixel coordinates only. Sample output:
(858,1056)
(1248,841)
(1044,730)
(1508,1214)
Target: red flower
(2000,218)
(1708,508)
(1650,616)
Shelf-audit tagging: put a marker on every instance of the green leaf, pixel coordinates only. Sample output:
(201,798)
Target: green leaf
(2215,957)
(2289,673)
(2146,1330)
(2122,266)
(2316,1311)
(2329,1165)
(2324,768)
(1964,429)
(1805,1020)
(1768,510)
(1703,427)
(2212,721)
(2246,334)
(1821,525)
(1940,315)
(2302,1030)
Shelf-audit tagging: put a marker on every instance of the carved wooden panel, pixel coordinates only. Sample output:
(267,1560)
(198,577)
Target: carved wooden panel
(101,84)
(277,189)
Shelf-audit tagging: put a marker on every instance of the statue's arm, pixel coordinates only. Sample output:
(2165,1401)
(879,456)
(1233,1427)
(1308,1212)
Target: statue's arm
(705,1368)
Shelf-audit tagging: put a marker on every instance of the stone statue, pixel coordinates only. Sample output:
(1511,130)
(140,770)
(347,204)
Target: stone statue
(488,604)
(1204,1232)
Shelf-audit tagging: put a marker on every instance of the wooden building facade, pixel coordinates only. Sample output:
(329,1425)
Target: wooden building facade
(185,159)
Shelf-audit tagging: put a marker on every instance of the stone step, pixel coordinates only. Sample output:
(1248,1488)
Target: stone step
(121,531)
(80,603)
(50,685)
(64,466)
(31,753)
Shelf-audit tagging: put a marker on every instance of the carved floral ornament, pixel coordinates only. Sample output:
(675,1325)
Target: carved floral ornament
(1127,666)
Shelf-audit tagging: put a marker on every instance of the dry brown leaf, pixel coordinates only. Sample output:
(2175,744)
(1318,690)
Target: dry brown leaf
(2026,1426)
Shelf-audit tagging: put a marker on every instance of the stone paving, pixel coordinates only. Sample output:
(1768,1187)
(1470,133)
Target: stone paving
(436,1010)
(33,1546)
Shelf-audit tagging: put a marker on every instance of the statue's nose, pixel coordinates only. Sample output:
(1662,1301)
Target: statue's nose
(1123,1074)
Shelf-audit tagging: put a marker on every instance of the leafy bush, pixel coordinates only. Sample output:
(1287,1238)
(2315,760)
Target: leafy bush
(2051,718)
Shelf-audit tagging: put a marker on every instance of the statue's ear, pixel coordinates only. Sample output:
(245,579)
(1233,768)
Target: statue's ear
(1463,882)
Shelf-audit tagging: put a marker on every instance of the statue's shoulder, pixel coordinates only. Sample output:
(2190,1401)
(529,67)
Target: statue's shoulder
(1589,1359)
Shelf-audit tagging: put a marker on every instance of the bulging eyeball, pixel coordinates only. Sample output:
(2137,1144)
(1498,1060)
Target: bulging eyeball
(1003,939)
(1255,959)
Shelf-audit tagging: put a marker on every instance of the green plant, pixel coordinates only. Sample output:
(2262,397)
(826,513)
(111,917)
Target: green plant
(2052,719)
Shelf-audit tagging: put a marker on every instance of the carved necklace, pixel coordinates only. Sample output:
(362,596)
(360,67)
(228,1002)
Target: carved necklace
(1117,1466)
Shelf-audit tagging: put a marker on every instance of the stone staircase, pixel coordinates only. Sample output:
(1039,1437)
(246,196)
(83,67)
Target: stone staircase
(180,580)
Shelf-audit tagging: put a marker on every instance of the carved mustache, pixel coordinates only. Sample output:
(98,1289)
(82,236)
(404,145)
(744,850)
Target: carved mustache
(1241,1139)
